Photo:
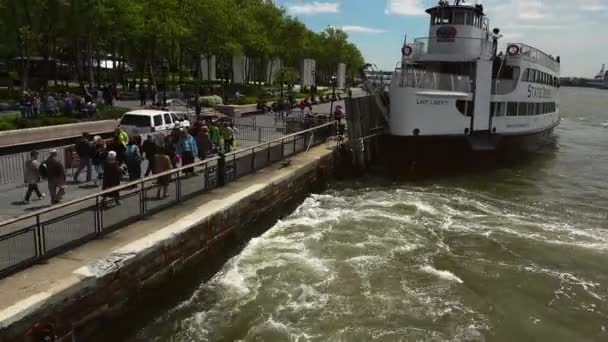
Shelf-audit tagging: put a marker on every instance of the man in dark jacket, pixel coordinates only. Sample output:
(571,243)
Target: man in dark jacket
(56,177)
(84,151)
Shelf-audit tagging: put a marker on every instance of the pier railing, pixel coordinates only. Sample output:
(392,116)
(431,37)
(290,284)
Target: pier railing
(31,238)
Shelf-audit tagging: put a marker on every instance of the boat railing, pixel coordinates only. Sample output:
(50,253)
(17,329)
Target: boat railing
(535,55)
(423,79)
(456,48)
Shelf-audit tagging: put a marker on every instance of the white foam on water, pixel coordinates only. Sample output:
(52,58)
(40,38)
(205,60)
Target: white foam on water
(447,275)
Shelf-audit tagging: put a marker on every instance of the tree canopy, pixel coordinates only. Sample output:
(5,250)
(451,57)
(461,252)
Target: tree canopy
(144,33)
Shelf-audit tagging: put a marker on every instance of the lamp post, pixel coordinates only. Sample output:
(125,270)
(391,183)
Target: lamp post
(314,86)
(333,94)
(165,68)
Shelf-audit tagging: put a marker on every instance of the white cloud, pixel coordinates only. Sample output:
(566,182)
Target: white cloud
(315,7)
(405,7)
(361,29)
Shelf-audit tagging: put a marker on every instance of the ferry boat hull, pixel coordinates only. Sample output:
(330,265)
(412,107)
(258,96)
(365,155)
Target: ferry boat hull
(455,96)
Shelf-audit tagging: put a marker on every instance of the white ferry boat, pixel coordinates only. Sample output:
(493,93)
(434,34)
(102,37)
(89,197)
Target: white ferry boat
(454,86)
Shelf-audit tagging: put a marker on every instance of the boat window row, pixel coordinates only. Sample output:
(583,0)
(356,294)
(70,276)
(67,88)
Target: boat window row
(449,16)
(467,108)
(522,108)
(537,76)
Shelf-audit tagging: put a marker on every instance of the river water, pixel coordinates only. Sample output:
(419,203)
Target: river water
(516,253)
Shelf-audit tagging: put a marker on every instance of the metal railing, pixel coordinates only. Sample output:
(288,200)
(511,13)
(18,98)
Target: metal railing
(418,78)
(33,237)
(536,56)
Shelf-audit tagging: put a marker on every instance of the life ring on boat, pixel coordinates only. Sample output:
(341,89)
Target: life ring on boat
(407,51)
(513,50)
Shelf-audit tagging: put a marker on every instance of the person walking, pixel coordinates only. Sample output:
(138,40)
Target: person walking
(84,152)
(187,150)
(133,160)
(120,141)
(162,163)
(99,153)
(204,143)
(149,150)
(56,177)
(35,106)
(338,114)
(228,135)
(142,94)
(214,133)
(112,173)
(32,177)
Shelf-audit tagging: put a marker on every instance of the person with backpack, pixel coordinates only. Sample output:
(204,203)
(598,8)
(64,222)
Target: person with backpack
(84,152)
(32,177)
(133,160)
(187,150)
(56,177)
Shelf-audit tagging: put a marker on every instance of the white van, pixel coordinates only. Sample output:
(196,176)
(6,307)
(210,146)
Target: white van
(146,121)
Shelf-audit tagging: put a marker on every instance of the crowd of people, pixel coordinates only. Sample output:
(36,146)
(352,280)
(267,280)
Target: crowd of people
(122,156)
(33,105)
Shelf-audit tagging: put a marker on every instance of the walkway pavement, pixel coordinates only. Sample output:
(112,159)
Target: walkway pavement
(12,196)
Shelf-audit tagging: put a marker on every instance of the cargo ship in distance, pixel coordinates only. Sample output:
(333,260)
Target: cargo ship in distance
(453,88)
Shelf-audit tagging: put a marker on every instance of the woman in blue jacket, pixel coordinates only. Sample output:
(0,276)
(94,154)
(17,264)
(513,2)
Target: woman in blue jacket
(187,150)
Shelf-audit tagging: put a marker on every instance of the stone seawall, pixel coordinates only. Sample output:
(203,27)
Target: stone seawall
(102,290)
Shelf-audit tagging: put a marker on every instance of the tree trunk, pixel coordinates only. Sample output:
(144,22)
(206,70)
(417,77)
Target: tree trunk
(90,68)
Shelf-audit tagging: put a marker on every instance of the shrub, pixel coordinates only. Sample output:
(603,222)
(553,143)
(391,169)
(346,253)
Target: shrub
(6,126)
(247,100)
(211,101)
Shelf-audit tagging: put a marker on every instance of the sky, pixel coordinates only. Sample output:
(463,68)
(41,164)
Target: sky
(576,30)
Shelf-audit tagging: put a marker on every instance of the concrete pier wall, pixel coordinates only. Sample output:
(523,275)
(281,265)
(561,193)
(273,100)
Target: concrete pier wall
(102,288)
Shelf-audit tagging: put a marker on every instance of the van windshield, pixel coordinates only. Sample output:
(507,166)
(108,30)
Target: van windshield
(135,120)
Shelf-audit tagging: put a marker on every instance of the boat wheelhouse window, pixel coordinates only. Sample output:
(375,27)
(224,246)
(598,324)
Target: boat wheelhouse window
(526,75)
(469,19)
(511,108)
(459,16)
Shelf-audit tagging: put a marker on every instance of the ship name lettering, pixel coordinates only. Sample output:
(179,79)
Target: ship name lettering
(538,92)
(432,102)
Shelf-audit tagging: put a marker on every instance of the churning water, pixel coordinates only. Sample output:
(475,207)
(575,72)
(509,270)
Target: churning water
(518,253)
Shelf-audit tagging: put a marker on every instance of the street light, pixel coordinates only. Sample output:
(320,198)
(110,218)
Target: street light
(333,96)
(165,69)
(314,86)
